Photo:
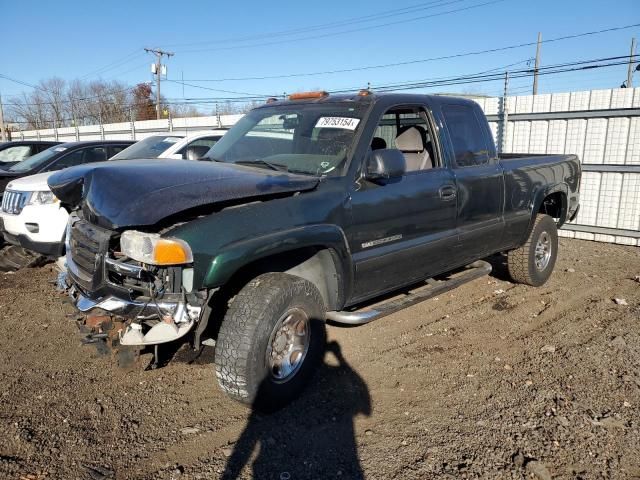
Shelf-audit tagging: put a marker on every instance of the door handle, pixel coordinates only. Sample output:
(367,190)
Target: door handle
(448,192)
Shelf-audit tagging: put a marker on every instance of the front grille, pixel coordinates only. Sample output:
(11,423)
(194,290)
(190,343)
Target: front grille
(14,202)
(88,246)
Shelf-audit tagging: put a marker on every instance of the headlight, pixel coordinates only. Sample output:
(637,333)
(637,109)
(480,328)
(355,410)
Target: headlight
(153,249)
(42,198)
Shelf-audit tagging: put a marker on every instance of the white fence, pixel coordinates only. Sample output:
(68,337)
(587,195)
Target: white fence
(128,130)
(601,126)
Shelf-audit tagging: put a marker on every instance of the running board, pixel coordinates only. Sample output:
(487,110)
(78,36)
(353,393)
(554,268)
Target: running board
(433,288)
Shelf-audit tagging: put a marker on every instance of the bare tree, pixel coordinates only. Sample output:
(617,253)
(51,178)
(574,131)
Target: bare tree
(57,103)
(184,111)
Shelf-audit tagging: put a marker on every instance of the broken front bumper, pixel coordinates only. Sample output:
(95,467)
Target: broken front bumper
(148,321)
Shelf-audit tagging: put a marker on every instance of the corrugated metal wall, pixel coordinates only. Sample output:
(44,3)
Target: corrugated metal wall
(602,127)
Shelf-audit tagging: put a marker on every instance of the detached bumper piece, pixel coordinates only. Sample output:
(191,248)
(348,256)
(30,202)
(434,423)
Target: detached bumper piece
(433,288)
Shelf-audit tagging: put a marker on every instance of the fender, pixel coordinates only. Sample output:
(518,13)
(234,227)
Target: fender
(538,197)
(234,256)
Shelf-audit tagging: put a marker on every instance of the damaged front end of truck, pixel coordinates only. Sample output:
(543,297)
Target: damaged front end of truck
(128,275)
(140,277)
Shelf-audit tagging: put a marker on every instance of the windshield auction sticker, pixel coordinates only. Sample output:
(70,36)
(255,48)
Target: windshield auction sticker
(345,123)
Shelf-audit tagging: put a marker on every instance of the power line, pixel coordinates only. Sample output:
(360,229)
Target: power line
(115,64)
(501,69)
(136,67)
(417,61)
(554,69)
(313,37)
(483,77)
(180,82)
(582,65)
(324,26)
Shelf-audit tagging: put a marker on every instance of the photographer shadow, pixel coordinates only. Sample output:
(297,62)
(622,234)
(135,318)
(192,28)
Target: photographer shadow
(314,436)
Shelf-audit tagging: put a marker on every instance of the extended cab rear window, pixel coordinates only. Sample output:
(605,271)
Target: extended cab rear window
(467,136)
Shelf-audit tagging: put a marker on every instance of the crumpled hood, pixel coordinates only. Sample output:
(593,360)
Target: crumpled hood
(129,193)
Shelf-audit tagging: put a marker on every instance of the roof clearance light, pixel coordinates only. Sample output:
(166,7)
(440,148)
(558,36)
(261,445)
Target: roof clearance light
(365,92)
(271,100)
(308,95)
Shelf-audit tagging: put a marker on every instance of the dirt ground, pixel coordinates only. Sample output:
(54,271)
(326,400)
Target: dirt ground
(492,380)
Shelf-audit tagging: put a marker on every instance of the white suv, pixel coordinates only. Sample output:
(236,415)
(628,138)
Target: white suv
(32,216)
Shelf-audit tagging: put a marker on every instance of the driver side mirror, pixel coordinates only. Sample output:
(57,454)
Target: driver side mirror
(385,164)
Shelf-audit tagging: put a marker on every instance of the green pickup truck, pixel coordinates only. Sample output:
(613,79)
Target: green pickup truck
(308,210)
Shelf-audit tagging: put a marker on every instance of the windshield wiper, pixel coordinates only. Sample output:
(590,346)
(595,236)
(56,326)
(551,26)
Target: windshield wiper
(258,161)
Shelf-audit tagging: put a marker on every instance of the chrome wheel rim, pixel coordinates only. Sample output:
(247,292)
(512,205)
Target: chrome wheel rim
(543,251)
(288,345)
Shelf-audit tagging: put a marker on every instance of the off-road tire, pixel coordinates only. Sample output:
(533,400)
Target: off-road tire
(521,262)
(240,356)
(14,258)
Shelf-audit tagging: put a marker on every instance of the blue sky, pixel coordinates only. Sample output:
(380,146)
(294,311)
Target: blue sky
(80,39)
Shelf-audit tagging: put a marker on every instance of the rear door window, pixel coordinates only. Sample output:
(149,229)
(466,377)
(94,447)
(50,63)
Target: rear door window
(469,144)
(80,156)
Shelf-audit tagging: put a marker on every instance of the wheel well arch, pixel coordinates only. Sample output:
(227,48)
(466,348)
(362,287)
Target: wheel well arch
(318,264)
(554,204)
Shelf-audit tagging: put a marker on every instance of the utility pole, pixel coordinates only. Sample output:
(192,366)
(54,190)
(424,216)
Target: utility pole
(3,134)
(504,117)
(535,70)
(158,71)
(631,63)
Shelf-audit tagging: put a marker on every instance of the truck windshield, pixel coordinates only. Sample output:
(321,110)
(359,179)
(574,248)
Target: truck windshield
(150,147)
(311,139)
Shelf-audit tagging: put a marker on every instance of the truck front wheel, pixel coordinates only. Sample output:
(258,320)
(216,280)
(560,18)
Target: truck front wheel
(533,262)
(271,340)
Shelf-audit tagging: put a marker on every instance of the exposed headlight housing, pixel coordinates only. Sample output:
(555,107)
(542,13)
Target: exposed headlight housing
(42,198)
(153,249)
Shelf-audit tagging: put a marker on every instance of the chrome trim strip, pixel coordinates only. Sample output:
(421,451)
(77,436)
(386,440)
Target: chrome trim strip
(119,306)
(124,268)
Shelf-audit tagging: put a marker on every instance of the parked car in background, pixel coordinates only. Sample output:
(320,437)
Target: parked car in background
(39,227)
(310,209)
(150,147)
(194,146)
(171,145)
(30,215)
(62,156)
(14,152)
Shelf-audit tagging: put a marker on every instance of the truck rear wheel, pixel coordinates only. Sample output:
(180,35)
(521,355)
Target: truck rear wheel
(533,262)
(271,339)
